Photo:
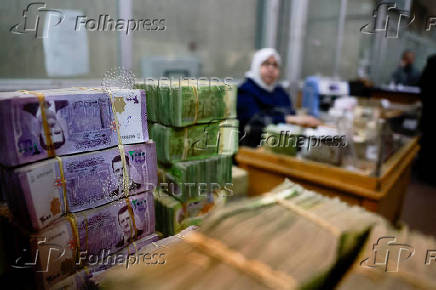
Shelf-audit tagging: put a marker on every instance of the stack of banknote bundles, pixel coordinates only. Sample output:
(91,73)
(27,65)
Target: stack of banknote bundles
(194,125)
(38,125)
(38,195)
(195,142)
(94,239)
(181,103)
(173,215)
(290,238)
(89,190)
(187,185)
(190,179)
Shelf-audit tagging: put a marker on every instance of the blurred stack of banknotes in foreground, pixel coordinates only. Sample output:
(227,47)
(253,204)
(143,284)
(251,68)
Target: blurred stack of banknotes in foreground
(290,238)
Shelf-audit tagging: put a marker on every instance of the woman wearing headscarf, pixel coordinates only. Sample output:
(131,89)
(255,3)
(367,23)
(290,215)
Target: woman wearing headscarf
(262,101)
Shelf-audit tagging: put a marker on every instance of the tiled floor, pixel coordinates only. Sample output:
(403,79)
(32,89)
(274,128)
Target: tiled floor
(419,209)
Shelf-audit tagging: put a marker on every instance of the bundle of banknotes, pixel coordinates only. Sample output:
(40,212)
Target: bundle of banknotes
(291,238)
(173,215)
(41,124)
(91,238)
(181,103)
(195,142)
(41,192)
(393,259)
(78,175)
(281,138)
(132,254)
(156,249)
(189,179)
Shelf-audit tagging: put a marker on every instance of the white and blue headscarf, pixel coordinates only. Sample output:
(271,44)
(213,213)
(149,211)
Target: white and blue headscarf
(259,57)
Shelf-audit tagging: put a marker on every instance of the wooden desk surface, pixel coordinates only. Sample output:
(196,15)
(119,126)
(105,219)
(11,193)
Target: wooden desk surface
(267,170)
(396,96)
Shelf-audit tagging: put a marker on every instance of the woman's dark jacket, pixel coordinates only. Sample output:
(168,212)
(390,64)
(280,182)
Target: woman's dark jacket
(258,108)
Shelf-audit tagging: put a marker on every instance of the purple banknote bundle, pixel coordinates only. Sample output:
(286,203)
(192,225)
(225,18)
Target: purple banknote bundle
(35,192)
(37,125)
(88,237)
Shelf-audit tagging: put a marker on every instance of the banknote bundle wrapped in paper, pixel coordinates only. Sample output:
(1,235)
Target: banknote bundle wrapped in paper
(173,215)
(41,124)
(180,103)
(288,239)
(41,192)
(89,238)
(189,179)
(195,142)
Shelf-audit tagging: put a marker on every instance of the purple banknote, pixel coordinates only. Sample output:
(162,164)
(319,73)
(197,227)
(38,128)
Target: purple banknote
(68,121)
(35,193)
(101,232)
(131,255)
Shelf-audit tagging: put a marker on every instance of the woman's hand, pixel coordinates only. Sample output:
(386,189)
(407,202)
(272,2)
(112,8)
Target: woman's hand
(305,121)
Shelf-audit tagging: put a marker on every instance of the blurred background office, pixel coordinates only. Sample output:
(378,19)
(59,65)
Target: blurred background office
(218,38)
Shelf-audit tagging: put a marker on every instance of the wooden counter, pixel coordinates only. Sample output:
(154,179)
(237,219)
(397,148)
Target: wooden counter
(383,195)
(396,96)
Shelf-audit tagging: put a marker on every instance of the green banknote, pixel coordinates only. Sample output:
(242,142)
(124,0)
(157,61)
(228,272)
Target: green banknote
(195,142)
(184,103)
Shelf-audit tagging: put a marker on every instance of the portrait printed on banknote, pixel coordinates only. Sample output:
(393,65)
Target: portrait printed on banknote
(126,225)
(55,130)
(117,170)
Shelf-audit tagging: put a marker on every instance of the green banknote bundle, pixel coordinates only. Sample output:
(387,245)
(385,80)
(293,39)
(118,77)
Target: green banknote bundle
(181,103)
(186,180)
(281,139)
(172,215)
(195,142)
(289,239)
(169,213)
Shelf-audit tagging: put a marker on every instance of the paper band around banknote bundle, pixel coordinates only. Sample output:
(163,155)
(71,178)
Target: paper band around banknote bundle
(271,278)
(260,271)
(310,216)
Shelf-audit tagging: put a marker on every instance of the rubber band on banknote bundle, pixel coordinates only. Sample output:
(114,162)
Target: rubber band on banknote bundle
(45,126)
(124,163)
(194,90)
(71,218)
(185,144)
(122,155)
(262,272)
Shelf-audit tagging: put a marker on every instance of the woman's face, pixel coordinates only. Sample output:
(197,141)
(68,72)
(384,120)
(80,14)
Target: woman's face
(269,71)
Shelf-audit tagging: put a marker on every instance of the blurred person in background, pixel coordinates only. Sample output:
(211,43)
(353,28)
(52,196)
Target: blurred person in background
(406,74)
(427,154)
(263,101)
